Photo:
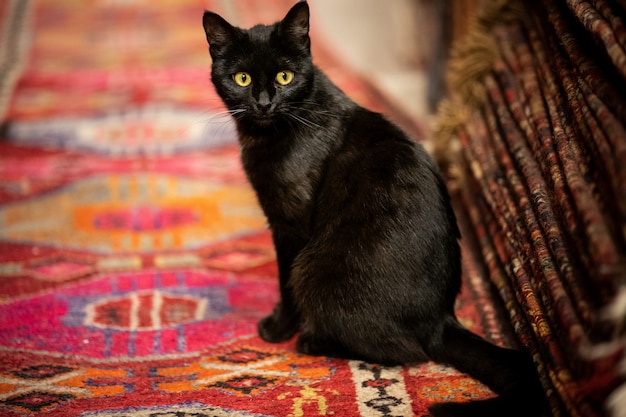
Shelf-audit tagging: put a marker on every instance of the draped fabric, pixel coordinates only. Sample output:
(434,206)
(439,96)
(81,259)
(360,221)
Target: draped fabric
(533,139)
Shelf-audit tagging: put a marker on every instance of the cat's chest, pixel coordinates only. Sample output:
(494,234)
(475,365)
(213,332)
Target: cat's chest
(284,182)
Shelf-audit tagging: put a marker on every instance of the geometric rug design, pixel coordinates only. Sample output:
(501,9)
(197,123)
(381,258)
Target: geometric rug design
(134,314)
(141,131)
(133,213)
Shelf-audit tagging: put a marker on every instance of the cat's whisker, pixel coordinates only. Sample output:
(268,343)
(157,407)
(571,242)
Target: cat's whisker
(218,123)
(304,121)
(316,111)
(225,116)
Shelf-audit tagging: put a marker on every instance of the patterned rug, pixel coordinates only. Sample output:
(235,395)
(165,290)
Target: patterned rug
(134,261)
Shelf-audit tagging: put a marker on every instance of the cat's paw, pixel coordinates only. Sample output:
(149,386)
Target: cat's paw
(275,330)
(309,345)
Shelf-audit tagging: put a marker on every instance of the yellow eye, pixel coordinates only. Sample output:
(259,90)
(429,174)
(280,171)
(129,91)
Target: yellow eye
(284,77)
(243,79)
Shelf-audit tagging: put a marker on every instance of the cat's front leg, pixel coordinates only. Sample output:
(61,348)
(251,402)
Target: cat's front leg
(279,326)
(284,321)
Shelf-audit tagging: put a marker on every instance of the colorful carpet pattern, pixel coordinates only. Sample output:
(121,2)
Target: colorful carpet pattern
(134,260)
(542,168)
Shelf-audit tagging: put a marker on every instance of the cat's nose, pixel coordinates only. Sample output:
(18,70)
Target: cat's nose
(264,104)
(264,107)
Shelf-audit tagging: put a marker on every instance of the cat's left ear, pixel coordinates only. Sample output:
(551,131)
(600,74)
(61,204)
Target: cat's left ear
(219,33)
(296,24)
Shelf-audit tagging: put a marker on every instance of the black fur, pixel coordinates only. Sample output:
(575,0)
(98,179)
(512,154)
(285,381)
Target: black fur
(366,239)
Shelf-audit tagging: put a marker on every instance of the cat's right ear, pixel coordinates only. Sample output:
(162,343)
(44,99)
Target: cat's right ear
(296,24)
(219,33)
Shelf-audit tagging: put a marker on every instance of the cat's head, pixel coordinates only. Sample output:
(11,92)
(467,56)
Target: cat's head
(263,72)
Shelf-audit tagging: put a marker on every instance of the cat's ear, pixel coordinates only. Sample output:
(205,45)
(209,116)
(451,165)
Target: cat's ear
(296,24)
(219,33)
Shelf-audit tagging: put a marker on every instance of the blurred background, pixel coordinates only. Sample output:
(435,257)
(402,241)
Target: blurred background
(392,43)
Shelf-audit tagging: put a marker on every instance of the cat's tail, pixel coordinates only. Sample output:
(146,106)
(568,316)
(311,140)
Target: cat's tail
(509,373)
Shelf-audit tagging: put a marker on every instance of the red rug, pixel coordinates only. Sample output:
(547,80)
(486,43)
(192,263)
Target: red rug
(134,261)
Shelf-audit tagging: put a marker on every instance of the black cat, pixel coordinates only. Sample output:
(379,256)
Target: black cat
(366,239)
